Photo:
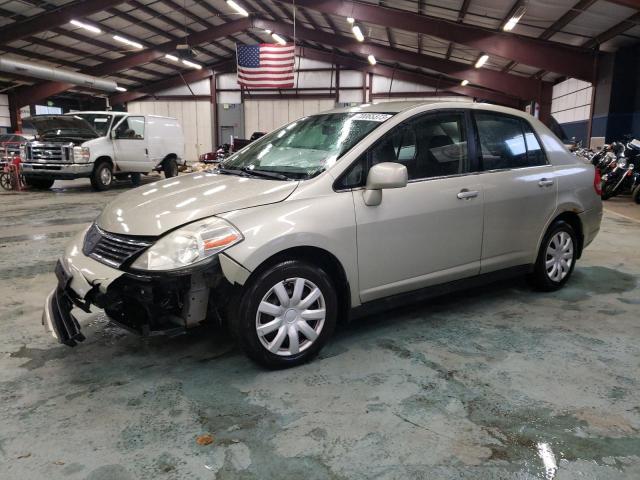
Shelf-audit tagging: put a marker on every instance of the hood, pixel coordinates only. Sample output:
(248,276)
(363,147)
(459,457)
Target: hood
(161,206)
(61,126)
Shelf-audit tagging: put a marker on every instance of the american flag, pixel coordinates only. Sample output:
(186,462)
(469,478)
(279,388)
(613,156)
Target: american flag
(265,65)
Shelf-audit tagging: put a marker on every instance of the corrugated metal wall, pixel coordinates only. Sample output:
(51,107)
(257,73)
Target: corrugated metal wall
(267,115)
(194,116)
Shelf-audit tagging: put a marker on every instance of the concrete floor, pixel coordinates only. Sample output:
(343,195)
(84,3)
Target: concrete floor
(483,385)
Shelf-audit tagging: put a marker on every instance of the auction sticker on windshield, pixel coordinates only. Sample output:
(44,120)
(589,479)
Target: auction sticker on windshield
(372,117)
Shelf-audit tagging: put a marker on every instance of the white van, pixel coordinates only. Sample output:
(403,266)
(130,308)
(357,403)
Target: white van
(101,146)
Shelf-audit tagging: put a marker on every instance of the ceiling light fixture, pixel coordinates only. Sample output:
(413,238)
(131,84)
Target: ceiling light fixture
(268,31)
(126,41)
(191,64)
(86,26)
(237,8)
(121,89)
(279,39)
(517,15)
(482,60)
(464,83)
(172,57)
(351,20)
(372,59)
(357,33)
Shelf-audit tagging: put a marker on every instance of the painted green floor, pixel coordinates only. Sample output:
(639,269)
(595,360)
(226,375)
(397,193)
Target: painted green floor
(481,385)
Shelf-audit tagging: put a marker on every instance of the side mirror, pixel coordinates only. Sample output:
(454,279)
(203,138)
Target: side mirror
(381,176)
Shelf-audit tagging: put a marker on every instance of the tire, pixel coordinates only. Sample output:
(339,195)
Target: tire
(102,176)
(608,191)
(39,183)
(260,305)
(550,273)
(636,194)
(136,179)
(170,168)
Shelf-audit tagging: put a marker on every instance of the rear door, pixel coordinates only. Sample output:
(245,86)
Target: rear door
(520,190)
(130,145)
(429,232)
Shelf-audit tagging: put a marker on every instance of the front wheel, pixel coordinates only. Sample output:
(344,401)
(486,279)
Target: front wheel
(286,314)
(636,194)
(556,258)
(102,176)
(170,168)
(608,191)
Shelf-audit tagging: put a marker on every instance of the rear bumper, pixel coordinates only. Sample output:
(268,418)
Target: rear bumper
(591,220)
(69,171)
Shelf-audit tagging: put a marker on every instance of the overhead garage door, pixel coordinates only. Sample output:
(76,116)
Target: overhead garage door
(267,115)
(194,116)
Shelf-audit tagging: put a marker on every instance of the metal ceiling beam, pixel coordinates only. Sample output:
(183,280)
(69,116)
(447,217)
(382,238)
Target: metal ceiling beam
(171,82)
(628,24)
(28,95)
(626,3)
(521,87)
(50,19)
(217,13)
(573,13)
(408,76)
(574,62)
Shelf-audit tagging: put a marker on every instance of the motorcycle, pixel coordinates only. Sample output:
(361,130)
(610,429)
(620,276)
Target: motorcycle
(619,180)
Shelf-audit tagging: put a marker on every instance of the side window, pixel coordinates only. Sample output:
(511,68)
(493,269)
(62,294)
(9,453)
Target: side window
(442,145)
(399,145)
(131,128)
(535,153)
(501,140)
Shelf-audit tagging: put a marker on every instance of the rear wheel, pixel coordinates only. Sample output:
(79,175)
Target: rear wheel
(136,179)
(170,168)
(608,191)
(102,176)
(636,194)
(286,314)
(556,258)
(39,183)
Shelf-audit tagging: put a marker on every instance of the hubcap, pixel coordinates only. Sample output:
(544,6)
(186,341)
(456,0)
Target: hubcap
(559,256)
(290,316)
(105,176)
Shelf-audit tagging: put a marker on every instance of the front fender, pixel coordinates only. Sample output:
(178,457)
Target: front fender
(325,222)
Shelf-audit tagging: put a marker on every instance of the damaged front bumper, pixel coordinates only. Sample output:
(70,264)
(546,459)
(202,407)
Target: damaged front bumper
(146,304)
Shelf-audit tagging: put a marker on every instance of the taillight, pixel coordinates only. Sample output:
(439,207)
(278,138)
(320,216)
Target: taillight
(597,182)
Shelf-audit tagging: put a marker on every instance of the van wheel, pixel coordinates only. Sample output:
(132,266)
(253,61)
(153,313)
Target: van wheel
(136,179)
(102,176)
(39,183)
(286,315)
(170,168)
(636,194)
(556,258)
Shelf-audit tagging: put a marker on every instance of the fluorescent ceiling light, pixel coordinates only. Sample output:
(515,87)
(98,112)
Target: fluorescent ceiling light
(357,33)
(464,83)
(237,8)
(121,89)
(518,14)
(191,64)
(268,31)
(482,60)
(86,26)
(172,57)
(279,39)
(372,59)
(351,20)
(126,41)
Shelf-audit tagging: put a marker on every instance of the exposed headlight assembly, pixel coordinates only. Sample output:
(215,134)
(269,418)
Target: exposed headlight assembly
(81,154)
(189,245)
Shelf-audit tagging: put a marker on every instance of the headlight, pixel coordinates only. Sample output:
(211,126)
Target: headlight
(189,245)
(81,154)
(23,152)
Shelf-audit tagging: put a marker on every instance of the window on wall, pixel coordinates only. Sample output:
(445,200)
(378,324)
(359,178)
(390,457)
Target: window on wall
(507,142)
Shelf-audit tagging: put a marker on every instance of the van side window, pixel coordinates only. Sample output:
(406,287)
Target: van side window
(131,128)
(501,140)
(535,153)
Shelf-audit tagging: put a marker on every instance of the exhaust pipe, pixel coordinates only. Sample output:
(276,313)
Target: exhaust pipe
(44,72)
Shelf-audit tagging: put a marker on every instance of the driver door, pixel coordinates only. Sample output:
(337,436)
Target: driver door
(130,145)
(430,231)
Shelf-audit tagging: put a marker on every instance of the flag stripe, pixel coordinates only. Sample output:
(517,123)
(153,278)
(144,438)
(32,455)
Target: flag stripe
(265,65)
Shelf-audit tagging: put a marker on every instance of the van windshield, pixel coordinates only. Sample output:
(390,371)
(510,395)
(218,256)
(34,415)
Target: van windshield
(99,121)
(306,147)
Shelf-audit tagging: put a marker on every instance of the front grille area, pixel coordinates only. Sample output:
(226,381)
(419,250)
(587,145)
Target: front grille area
(48,152)
(112,249)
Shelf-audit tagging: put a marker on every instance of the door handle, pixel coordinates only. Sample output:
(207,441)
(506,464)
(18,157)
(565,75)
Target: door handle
(146,151)
(545,183)
(467,194)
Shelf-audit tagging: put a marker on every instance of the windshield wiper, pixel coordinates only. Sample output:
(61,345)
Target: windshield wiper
(265,173)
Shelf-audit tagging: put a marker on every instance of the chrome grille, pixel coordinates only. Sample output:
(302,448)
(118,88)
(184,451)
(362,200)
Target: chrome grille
(112,249)
(48,152)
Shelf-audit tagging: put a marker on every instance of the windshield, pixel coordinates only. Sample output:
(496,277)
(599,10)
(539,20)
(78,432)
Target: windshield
(306,147)
(99,121)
